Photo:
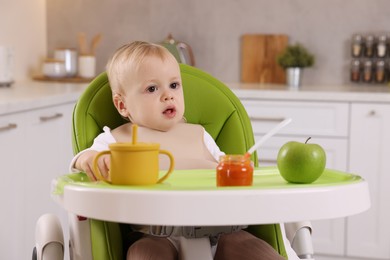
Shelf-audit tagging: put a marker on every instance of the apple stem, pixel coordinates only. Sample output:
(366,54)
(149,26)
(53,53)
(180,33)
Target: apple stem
(307,140)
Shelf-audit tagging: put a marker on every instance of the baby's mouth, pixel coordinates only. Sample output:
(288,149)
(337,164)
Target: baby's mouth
(170,112)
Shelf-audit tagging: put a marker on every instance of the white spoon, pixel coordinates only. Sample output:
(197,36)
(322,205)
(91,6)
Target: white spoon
(268,135)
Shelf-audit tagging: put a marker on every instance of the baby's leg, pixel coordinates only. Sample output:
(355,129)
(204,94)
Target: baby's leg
(152,248)
(244,246)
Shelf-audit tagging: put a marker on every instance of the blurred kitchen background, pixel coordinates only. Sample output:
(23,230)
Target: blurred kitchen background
(34,28)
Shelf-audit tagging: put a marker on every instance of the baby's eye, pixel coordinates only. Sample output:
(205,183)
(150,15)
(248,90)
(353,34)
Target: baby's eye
(151,89)
(174,85)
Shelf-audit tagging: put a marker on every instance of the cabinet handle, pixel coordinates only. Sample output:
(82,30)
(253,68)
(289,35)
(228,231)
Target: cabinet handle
(372,113)
(266,119)
(8,127)
(48,118)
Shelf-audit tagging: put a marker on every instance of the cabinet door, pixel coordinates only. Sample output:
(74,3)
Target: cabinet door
(369,232)
(12,185)
(328,235)
(309,118)
(48,153)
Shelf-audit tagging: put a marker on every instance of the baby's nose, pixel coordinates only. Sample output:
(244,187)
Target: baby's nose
(168,96)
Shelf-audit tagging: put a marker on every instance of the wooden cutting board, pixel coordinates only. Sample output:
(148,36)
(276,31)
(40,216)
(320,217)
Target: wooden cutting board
(258,58)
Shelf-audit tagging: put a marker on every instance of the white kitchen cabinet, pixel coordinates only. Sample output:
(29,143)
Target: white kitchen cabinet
(35,148)
(369,233)
(327,124)
(11,185)
(356,137)
(326,119)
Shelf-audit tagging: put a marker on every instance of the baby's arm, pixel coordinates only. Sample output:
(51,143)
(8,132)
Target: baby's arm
(83,161)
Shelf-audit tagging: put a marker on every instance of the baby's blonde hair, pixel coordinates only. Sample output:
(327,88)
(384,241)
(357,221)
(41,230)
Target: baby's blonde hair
(126,60)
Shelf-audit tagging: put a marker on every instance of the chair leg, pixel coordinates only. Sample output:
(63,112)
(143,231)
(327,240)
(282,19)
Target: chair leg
(195,248)
(302,244)
(49,238)
(80,247)
(299,234)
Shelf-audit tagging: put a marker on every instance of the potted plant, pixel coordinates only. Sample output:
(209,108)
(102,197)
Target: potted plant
(293,59)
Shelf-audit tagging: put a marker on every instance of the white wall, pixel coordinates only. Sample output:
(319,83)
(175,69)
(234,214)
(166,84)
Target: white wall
(214,28)
(23,27)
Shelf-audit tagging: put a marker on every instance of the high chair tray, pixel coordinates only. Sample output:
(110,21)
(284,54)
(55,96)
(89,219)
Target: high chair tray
(190,197)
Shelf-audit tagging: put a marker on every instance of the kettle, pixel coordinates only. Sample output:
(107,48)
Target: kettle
(6,58)
(180,50)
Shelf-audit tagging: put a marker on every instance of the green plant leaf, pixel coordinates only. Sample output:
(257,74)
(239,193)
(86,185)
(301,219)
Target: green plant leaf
(295,56)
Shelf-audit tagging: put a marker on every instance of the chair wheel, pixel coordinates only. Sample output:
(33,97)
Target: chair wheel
(34,254)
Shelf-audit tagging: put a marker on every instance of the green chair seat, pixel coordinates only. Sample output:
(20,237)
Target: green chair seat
(208,102)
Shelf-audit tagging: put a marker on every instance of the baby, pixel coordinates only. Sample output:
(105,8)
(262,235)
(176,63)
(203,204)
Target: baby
(147,90)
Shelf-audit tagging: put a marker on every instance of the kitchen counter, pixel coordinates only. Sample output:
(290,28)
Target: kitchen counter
(29,95)
(346,93)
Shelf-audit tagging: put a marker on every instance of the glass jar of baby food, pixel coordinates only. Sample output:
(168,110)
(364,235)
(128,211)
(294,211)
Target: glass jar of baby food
(234,170)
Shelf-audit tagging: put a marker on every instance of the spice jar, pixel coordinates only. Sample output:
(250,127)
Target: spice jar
(387,70)
(380,71)
(355,71)
(381,47)
(369,46)
(367,71)
(357,45)
(234,170)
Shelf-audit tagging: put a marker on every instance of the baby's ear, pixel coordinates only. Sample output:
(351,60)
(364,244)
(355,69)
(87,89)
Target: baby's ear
(120,105)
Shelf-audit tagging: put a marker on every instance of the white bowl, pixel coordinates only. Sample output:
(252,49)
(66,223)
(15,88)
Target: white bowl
(54,68)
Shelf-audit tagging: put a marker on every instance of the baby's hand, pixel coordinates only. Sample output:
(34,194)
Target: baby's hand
(103,165)
(85,163)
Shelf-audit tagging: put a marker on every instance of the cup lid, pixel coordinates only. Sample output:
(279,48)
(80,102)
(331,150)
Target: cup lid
(134,147)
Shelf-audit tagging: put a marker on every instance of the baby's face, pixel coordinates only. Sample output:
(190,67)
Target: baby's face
(154,96)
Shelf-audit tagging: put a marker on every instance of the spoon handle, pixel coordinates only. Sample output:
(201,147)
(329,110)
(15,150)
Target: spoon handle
(269,134)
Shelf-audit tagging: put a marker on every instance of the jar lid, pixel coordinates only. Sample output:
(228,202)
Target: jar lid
(370,38)
(234,158)
(368,63)
(357,37)
(380,63)
(382,38)
(355,62)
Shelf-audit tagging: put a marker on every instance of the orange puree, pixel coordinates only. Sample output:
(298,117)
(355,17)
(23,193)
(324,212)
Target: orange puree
(234,170)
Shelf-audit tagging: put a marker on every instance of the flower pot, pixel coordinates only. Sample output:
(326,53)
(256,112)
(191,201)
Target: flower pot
(294,76)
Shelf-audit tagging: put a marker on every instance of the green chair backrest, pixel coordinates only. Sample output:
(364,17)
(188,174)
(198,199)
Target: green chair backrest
(208,102)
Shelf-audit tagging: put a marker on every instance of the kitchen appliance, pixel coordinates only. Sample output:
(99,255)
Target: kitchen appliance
(182,51)
(6,60)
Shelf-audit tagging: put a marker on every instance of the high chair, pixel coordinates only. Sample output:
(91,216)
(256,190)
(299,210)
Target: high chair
(207,102)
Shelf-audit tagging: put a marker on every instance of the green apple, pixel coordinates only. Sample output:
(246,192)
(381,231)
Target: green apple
(301,162)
